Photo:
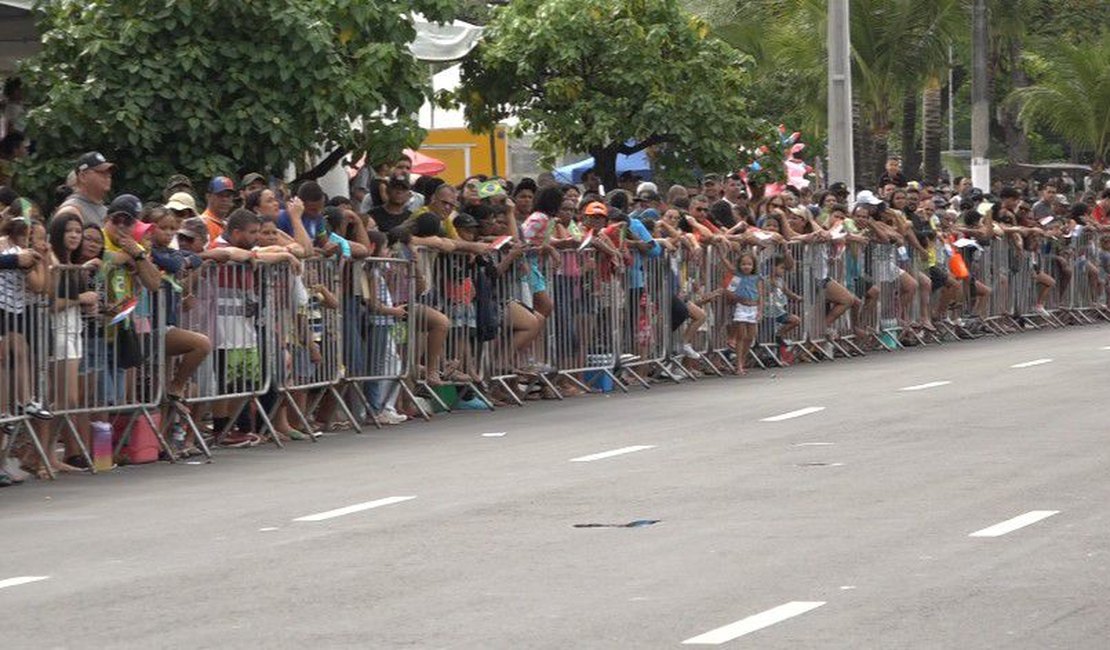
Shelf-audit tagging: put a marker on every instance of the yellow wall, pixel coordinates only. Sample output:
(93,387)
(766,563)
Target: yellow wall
(450,146)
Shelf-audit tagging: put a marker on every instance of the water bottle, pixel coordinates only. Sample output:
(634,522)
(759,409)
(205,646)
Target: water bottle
(102,446)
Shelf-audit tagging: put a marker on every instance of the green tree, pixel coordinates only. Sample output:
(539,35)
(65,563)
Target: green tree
(203,87)
(897,45)
(1070,94)
(610,77)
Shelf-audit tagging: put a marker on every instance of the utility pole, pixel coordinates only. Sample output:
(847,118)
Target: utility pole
(980,101)
(841,155)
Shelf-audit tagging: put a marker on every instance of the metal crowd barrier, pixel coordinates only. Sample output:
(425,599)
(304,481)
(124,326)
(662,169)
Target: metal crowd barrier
(107,358)
(377,350)
(312,335)
(247,311)
(584,339)
(278,335)
(24,348)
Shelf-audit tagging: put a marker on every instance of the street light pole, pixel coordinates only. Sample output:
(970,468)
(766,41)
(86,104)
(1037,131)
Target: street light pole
(841,155)
(980,101)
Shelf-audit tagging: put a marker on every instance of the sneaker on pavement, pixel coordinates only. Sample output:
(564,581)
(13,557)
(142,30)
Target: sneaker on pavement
(392,417)
(37,411)
(14,471)
(236,440)
(689,351)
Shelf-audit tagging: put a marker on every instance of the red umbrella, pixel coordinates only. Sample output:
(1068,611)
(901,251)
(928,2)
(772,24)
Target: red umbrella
(425,165)
(421,165)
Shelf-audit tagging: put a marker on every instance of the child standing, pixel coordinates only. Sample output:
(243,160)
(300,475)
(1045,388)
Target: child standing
(745,292)
(778,298)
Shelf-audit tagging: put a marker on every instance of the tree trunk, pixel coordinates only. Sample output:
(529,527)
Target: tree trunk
(933,129)
(911,158)
(859,145)
(880,149)
(1016,140)
(605,164)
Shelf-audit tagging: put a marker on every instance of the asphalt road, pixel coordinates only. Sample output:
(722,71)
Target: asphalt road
(862,541)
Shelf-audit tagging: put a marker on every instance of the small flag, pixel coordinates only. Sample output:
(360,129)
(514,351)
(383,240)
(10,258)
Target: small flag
(125,310)
(587,240)
(500,242)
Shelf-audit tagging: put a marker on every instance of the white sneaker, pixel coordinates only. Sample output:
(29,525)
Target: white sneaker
(392,417)
(13,470)
(689,351)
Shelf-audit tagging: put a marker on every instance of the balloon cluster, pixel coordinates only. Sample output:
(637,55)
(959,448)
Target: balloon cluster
(764,161)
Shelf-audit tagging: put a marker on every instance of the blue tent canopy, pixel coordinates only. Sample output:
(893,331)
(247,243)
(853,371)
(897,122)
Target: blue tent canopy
(637,163)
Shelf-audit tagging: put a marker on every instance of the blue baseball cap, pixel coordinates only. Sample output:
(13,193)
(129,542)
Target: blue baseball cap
(221,184)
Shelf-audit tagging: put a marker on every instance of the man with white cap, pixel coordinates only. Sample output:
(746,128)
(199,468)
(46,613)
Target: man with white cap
(868,198)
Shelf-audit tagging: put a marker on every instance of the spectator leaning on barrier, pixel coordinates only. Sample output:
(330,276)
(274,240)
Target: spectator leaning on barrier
(1046,206)
(92,183)
(394,211)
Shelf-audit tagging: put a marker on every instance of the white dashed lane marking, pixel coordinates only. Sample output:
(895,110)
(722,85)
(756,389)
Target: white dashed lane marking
(1010,525)
(358,507)
(794,414)
(611,453)
(753,623)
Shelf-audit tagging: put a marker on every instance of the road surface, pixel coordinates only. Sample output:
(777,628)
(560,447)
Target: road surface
(815,507)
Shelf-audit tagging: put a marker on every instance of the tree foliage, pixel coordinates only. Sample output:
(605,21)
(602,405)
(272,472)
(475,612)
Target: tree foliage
(1070,94)
(204,87)
(597,75)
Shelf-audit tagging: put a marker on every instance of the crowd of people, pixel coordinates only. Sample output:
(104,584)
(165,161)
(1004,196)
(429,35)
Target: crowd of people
(260,311)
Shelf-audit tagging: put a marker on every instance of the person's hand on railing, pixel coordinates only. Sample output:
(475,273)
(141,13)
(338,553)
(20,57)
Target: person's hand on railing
(28,258)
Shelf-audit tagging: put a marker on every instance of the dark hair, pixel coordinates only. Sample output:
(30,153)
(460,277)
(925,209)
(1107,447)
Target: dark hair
(682,203)
(254,199)
(61,193)
(10,142)
(618,200)
(426,225)
(310,191)
(426,186)
(839,207)
(398,234)
(1009,192)
(241,218)
(1104,194)
(778,260)
(525,184)
(57,233)
(480,211)
(588,172)
(12,84)
(548,201)
(339,201)
(378,240)
(721,214)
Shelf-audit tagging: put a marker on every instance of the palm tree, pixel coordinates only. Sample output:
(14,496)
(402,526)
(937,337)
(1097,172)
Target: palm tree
(1070,94)
(933,126)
